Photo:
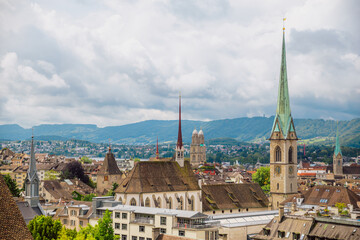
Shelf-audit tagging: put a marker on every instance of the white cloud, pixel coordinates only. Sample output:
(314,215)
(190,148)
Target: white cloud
(116,62)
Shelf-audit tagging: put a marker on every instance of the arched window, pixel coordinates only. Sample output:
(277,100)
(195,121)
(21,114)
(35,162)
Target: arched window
(147,202)
(120,200)
(277,186)
(290,187)
(170,203)
(338,162)
(192,204)
(133,202)
(159,202)
(277,154)
(290,155)
(181,203)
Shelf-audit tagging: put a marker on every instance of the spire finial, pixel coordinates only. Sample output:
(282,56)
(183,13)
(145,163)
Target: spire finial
(284,19)
(109,145)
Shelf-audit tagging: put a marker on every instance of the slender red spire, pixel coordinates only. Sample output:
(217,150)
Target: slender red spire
(157,148)
(179,141)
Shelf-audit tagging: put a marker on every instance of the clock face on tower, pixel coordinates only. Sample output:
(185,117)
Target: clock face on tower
(277,170)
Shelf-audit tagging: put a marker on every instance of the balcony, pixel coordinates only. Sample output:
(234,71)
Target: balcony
(143,220)
(213,224)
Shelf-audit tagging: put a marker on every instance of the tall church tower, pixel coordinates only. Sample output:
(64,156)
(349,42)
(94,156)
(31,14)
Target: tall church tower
(337,158)
(283,143)
(179,157)
(32,180)
(197,148)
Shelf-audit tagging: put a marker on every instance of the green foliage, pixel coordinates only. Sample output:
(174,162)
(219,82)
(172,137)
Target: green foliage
(44,228)
(262,177)
(51,175)
(85,159)
(340,207)
(105,229)
(73,170)
(11,183)
(67,234)
(112,191)
(91,183)
(79,197)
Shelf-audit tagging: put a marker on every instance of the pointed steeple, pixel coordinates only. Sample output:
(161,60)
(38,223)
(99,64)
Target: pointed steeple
(179,141)
(32,167)
(157,148)
(337,144)
(283,112)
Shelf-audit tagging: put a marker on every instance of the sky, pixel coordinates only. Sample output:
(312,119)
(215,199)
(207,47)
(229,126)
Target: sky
(118,62)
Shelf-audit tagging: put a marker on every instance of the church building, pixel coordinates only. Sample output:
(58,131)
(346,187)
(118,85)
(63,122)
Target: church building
(197,148)
(283,143)
(169,184)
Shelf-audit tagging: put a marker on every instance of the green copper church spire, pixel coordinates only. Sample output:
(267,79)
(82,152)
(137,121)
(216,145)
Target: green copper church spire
(337,144)
(283,112)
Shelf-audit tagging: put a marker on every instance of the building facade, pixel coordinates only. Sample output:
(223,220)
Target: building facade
(283,143)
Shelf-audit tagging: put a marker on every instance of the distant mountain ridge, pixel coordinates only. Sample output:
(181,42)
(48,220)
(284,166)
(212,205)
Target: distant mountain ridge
(242,129)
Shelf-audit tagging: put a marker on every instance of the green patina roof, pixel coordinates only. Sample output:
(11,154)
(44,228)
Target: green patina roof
(283,112)
(337,144)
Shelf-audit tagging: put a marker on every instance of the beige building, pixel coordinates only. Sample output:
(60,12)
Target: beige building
(108,174)
(283,144)
(197,148)
(160,184)
(146,223)
(75,215)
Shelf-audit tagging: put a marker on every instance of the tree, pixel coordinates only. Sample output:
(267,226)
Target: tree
(112,191)
(105,230)
(11,183)
(340,207)
(44,228)
(75,169)
(67,234)
(85,159)
(51,175)
(262,177)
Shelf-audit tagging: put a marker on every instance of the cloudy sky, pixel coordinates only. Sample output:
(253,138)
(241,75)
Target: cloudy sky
(117,62)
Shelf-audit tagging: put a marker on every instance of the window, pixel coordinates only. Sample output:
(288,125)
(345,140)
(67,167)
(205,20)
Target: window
(163,230)
(72,223)
(117,225)
(65,221)
(290,155)
(148,238)
(133,202)
(134,238)
(123,237)
(277,154)
(81,223)
(117,215)
(267,232)
(277,186)
(141,238)
(296,236)
(281,234)
(106,178)
(147,202)
(124,216)
(123,226)
(181,233)
(163,220)
(141,228)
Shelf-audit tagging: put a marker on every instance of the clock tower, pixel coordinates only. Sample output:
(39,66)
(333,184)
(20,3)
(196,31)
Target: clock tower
(283,143)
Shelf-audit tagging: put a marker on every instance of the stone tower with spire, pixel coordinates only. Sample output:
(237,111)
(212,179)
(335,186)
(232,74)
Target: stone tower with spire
(108,174)
(337,158)
(283,143)
(179,155)
(32,180)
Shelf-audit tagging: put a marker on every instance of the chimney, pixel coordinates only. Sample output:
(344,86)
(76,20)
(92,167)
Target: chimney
(281,211)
